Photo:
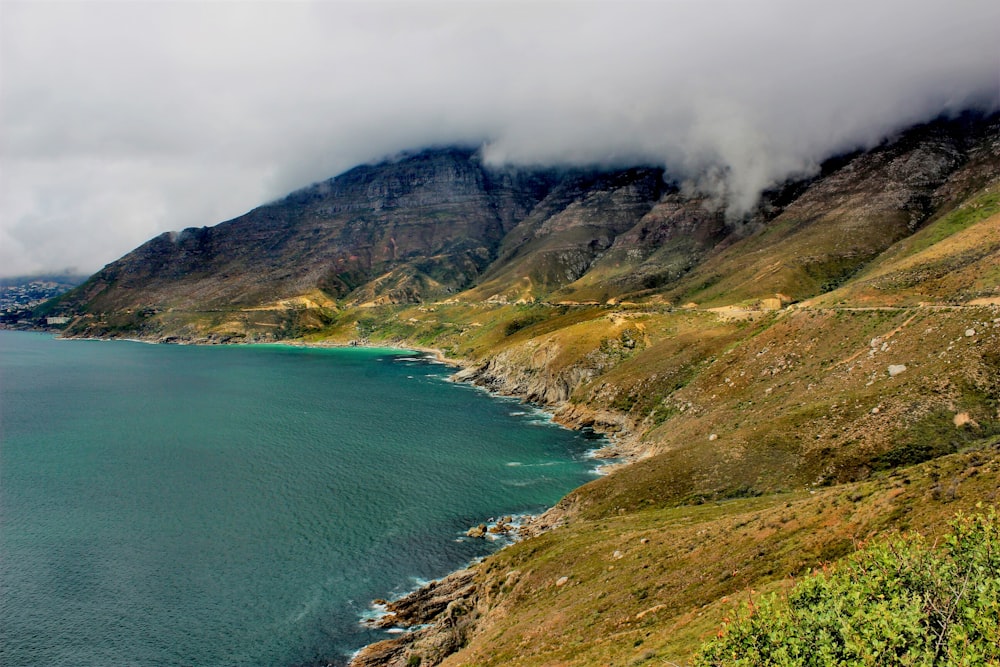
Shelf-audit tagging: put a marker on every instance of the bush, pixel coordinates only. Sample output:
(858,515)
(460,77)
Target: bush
(901,602)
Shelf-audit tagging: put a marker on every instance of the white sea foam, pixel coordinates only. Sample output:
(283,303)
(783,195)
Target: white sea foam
(308,607)
(519,483)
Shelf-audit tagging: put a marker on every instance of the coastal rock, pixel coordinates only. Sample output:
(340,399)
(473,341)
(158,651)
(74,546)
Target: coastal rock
(424,604)
(477,532)
(502,527)
(387,653)
(445,607)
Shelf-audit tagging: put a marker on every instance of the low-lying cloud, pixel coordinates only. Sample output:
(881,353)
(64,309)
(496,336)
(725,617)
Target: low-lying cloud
(123,120)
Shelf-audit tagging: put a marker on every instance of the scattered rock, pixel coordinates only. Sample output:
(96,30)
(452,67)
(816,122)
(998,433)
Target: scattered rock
(424,604)
(969,333)
(618,555)
(644,540)
(963,419)
(713,437)
(651,610)
(896,369)
(875,410)
(562,581)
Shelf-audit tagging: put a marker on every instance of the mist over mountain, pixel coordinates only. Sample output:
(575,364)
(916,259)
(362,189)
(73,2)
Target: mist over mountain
(821,370)
(124,120)
(445,224)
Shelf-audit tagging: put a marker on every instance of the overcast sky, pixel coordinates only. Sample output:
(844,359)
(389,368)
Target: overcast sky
(121,120)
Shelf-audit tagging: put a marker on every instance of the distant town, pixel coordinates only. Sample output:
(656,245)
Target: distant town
(19,296)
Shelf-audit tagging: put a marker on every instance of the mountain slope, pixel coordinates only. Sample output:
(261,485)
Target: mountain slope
(440,224)
(782,386)
(437,216)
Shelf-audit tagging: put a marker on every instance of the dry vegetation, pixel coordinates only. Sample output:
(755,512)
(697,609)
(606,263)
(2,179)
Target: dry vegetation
(763,445)
(826,373)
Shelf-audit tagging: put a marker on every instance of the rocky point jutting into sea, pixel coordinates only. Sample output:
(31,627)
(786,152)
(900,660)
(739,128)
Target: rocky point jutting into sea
(819,372)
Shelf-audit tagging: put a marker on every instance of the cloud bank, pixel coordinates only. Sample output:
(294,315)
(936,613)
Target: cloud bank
(122,120)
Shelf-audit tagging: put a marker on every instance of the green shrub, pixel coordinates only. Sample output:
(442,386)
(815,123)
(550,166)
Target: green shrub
(900,602)
(515,325)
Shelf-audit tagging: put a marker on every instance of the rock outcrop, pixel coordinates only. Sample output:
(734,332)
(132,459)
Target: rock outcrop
(445,607)
(439,224)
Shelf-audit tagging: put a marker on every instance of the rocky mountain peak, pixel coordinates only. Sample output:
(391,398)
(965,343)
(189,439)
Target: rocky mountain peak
(440,224)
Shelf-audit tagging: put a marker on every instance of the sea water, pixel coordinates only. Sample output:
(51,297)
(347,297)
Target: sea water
(242,505)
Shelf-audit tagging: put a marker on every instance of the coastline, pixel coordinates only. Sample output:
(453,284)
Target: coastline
(436,615)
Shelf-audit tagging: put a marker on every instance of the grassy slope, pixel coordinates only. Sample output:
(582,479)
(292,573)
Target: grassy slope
(765,442)
(652,585)
(815,445)
(955,258)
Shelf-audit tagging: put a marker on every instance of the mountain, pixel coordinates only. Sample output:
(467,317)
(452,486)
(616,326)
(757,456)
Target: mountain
(440,224)
(779,387)
(427,223)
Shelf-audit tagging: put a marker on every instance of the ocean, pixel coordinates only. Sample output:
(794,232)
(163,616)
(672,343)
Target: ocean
(242,505)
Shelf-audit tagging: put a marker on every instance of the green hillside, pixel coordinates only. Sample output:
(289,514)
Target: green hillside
(777,390)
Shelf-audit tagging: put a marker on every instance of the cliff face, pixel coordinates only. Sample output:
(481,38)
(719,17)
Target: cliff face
(785,385)
(424,225)
(439,224)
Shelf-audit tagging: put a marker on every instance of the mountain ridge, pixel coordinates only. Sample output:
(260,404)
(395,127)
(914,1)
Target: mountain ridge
(785,386)
(439,224)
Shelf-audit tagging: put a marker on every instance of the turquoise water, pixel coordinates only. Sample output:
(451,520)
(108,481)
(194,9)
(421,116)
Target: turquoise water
(171,505)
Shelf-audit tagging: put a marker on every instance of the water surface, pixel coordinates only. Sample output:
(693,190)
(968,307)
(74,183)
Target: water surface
(175,505)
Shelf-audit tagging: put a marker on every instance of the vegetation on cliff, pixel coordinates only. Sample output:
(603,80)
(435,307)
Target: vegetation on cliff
(897,602)
(784,387)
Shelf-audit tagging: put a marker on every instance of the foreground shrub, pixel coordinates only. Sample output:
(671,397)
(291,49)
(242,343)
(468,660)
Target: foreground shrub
(900,602)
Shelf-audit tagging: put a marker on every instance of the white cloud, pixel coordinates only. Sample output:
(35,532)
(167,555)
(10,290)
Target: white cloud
(123,120)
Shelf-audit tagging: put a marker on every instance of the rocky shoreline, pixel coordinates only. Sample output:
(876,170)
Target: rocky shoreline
(442,607)
(435,619)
